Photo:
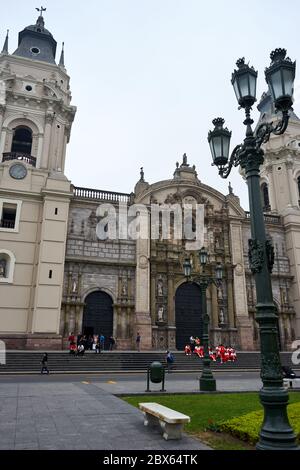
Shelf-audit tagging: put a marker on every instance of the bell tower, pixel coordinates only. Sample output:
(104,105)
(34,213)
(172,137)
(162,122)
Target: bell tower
(36,117)
(280,190)
(35,114)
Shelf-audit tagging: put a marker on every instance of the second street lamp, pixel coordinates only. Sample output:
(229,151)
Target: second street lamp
(207,380)
(276,432)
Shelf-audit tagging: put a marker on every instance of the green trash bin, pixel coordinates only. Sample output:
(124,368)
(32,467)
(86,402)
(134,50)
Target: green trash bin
(156,373)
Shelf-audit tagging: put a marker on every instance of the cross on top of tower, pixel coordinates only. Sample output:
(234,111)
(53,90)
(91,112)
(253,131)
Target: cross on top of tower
(40,21)
(41,10)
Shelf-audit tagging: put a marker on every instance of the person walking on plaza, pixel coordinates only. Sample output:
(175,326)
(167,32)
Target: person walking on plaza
(138,342)
(44,363)
(170,361)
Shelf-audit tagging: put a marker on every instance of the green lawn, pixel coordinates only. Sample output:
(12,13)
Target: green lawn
(208,411)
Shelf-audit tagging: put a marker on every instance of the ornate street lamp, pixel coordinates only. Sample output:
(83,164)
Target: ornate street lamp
(207,380)
(276,432)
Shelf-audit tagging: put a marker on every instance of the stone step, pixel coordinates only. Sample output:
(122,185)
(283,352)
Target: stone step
(20,361)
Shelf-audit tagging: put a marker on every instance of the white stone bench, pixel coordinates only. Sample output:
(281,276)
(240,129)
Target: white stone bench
(291,383)
(170,421)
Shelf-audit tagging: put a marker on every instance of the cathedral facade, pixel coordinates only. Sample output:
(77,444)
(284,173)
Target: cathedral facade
(58,276)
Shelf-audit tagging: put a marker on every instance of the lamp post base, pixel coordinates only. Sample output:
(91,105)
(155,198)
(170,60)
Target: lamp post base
(207,384)
(276,432)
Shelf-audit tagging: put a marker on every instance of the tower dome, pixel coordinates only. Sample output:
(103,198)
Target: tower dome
(36,42)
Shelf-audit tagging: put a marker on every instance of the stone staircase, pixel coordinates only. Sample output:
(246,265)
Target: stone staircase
(28,362)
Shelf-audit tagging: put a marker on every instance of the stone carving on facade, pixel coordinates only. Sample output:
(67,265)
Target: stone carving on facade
(174,198)
(153,200)
(49,117)
(221,317)
(239,269)
(143,262)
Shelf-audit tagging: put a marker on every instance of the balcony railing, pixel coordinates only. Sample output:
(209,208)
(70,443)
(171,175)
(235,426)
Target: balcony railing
(19,156)
(269,219)
(7,223)
(95,194)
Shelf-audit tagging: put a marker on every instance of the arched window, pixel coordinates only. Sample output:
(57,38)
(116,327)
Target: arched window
(22,140)
(265,197)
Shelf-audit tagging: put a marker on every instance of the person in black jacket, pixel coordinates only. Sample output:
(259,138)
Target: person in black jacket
(112,343)
(288,373)
(44,363)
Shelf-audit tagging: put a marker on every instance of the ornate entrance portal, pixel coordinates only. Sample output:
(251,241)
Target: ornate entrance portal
(98,315)
(188,314)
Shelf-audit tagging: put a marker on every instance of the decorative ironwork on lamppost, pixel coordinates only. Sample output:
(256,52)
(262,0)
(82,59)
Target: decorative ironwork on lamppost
(276,432)
(207,380)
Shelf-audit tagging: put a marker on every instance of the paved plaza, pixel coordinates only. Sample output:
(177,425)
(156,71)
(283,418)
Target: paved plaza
(75,416)
(82,412)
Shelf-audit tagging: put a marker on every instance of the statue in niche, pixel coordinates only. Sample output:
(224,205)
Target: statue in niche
(220,293)
(284,297)
(124,289)
(3,268)
(221,317)
(92,225)
(74,287)
(160,314)
(160,288)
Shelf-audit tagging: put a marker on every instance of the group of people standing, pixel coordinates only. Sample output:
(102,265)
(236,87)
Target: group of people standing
(220,353)
(78,345)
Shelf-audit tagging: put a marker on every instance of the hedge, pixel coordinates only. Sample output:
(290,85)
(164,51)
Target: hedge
(247,427)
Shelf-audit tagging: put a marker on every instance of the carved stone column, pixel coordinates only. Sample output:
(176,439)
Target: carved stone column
(2,112)
(230,300)
(47,140)
(153,296)
(171,293)
(240,298)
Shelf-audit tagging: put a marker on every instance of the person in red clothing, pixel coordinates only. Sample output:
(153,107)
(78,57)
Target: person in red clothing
(212,354)
(187,350)
(71,338)
(73,348)
(222,353)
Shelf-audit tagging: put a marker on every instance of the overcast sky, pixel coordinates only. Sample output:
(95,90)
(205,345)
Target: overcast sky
(148,77)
